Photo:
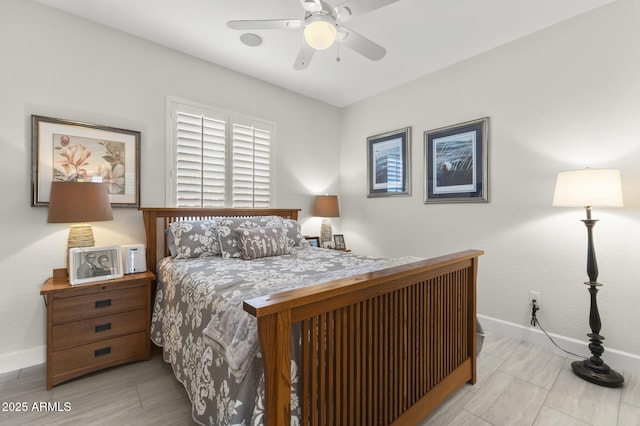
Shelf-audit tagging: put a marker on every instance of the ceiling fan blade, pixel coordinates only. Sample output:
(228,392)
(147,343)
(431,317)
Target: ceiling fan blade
(266,24)
(360,44)
(350,8)
(304,56)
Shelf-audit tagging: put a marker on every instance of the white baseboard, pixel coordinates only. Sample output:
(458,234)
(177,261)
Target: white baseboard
(22,359)
(622,362)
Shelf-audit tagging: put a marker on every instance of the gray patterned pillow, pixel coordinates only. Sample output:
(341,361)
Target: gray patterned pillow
(294,234)
(228,237)
(195,239)
(254,243)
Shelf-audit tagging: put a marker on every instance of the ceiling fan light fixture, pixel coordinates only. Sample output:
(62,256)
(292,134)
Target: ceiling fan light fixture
(320,31)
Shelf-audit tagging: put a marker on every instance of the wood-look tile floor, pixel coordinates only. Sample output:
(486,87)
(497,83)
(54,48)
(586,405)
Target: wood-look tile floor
(518,384)
(521,384)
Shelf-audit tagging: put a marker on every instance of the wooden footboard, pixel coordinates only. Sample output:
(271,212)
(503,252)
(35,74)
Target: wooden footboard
(377,349)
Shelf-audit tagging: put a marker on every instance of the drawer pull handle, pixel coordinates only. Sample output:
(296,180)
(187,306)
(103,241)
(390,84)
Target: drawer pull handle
(102,352)
(103,327)
(103,303)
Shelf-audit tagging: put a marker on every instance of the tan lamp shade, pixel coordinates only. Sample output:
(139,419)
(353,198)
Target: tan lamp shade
(588,188)
(79,202)
(326,206)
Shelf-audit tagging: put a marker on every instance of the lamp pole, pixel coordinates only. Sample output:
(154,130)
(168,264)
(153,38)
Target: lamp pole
(594,369)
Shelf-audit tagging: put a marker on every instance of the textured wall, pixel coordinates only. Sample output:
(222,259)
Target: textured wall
(561,99)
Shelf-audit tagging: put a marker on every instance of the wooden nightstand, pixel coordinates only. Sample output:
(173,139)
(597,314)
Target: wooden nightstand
(96,325)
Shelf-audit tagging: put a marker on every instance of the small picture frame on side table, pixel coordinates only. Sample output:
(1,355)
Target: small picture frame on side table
(338,240)
(89,264)
(313,241)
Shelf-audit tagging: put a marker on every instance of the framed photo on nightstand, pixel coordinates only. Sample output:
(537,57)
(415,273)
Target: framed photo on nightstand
(314,241)
(338,240)
(89,264)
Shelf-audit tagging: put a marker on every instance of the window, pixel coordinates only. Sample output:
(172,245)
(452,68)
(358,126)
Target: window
(218,159)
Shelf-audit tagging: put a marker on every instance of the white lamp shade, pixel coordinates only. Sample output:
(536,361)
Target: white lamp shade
(320,32)
(588,187)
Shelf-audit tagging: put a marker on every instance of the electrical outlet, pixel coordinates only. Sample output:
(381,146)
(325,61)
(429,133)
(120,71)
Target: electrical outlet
(534,295)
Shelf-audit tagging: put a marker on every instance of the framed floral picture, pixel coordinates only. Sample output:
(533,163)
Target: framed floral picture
(456,163)
(64,151)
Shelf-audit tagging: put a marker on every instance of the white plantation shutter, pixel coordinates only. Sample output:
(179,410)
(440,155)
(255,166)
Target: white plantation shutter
(217,162)
(200,161)
(251,166)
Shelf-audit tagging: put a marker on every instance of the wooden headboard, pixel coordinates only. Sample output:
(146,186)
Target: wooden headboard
(157,219)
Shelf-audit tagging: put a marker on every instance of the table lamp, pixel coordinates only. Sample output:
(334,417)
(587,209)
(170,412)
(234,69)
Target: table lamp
(326,207)
(78,203)
(588,188)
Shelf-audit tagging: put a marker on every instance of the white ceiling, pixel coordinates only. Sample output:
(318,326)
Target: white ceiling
(421,36)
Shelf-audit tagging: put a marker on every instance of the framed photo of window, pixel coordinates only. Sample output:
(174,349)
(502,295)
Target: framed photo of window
(71,151)
(313,241)
(89,264)
(456,163)
(338,240)
(389,163)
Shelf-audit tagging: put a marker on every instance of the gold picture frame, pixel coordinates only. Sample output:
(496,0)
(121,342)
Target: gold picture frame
(65,150)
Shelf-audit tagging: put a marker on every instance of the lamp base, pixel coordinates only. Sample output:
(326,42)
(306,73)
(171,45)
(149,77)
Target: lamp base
(80,235)
(600,375)
(326,231)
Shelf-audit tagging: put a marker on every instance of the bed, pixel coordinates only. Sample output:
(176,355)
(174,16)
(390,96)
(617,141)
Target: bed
(358,341)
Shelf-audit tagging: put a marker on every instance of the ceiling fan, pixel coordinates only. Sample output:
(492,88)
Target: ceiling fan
(322,26)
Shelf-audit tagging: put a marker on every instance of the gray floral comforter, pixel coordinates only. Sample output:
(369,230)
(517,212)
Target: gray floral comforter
(212,343)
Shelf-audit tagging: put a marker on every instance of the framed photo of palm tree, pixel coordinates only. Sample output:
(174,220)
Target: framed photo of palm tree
(65,150)
(456,163)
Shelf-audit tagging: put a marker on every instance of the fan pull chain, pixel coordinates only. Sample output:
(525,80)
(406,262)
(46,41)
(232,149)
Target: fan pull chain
(337,52)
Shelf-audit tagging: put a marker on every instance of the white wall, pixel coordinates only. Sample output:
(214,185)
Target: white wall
(56,65)
(561,99)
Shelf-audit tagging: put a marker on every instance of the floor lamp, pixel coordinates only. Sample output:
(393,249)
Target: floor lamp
(588,188)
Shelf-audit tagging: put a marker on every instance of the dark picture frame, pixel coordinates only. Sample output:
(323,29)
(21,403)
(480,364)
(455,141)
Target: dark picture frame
(456,163)
(313,241)
(338,240)
(65,150)
(389,163)
(105,264)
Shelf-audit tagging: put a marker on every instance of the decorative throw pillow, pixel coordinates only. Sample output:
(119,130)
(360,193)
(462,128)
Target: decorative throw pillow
(255,243)
(228,237)
(195,239)
(294,234)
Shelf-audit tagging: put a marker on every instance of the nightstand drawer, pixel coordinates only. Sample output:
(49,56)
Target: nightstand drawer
(98,304)
(99,354)
(99,328)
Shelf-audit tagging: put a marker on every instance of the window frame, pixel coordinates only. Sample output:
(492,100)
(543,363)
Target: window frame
(173,104)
